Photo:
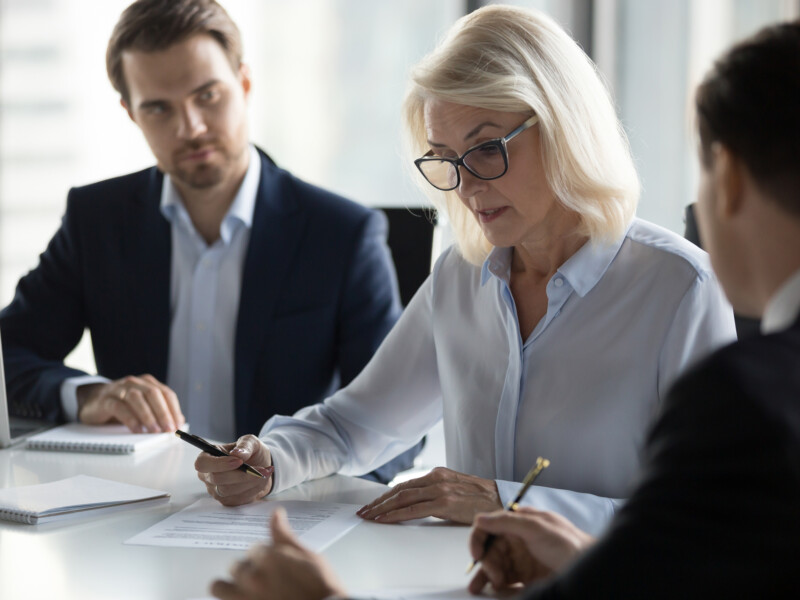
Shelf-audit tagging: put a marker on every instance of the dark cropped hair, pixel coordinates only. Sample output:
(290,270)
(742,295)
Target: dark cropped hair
(154,25)
(750,103)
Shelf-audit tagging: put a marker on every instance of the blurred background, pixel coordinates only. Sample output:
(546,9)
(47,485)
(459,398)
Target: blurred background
(328,80)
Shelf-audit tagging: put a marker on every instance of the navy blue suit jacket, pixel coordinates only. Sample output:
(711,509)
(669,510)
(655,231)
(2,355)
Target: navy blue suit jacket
(318,296)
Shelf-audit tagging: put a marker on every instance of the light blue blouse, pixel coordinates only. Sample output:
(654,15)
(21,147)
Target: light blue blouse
(622,322)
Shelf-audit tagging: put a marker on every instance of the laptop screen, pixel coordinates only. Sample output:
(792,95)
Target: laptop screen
(14,430)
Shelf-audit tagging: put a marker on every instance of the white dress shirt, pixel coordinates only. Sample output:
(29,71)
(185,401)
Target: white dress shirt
(622,322)
(784,307)
(205,284)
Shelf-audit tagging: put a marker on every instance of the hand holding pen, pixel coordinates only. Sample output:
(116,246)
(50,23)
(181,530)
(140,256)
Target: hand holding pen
(214,450)
(528,545)
(541,464)
(229,471)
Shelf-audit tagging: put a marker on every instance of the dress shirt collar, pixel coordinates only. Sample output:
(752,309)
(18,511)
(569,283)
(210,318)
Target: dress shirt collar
(784,306)
(582,270)
(240,212)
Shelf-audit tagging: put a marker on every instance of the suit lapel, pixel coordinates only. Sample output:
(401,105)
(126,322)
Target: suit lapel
(276,231)
(147,259)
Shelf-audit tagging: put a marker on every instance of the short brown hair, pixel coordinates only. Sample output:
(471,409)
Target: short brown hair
(750,103)
(153,25)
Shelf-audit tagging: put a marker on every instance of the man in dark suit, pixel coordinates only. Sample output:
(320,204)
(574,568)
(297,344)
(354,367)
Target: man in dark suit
(215,285)
(717,511)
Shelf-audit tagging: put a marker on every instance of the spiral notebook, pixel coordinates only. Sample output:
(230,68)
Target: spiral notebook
(105,439)
(72,497)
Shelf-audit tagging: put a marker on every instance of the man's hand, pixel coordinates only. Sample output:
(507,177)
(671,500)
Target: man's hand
(282,570)
(442,493)
(529,545)
(225,482)
(143,404)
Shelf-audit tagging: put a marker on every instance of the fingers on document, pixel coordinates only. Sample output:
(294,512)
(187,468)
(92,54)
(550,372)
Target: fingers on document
(442,493)
(369,509)
(394,513)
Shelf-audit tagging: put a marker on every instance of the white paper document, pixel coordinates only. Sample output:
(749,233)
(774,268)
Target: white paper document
(208,524)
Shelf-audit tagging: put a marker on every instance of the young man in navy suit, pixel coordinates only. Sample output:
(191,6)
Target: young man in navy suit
(217,287)
(717,511)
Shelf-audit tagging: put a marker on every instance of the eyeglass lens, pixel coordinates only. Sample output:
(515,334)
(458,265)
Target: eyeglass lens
(485,161)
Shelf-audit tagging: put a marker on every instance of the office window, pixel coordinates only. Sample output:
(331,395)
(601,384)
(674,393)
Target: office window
(652,54)
(661,50)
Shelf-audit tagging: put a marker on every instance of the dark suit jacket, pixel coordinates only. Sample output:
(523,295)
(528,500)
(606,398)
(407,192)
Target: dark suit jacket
(318,296)
(717,513)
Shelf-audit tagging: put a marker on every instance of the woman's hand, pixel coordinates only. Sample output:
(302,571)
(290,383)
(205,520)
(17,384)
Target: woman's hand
(529,545)
(283,570)
(225,482)
(442,493)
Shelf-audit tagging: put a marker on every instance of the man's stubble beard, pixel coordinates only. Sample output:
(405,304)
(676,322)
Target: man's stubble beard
(201,177)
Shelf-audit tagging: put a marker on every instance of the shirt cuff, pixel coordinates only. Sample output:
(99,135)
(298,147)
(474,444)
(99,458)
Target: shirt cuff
(69,393)
(588,512)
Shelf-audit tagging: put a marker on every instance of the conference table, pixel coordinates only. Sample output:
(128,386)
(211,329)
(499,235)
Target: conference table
(87,559)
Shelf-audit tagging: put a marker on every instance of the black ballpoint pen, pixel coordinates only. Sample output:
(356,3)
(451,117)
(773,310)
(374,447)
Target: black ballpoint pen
(214,450)
(541,464)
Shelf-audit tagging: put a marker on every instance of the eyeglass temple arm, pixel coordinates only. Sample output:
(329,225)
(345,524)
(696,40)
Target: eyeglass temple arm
(530,121)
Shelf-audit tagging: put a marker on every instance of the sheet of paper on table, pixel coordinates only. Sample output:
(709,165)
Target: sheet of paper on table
(208,524)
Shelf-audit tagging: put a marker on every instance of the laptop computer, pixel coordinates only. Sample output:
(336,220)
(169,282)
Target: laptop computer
(13,430)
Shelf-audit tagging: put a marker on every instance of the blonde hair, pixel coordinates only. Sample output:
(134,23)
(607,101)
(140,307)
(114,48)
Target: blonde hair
(516,60)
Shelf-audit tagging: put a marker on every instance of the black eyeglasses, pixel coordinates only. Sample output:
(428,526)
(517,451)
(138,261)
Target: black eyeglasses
(487,161)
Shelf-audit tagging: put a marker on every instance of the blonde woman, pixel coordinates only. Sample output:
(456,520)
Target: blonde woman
(552,328)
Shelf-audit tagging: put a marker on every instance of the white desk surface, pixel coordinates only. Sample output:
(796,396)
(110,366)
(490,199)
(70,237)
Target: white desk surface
(86,559)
